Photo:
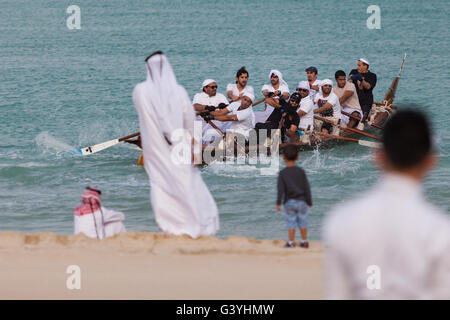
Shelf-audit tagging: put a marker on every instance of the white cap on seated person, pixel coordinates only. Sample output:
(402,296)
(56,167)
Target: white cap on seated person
(303,85)
(206,82)
(326,82)
(249,94)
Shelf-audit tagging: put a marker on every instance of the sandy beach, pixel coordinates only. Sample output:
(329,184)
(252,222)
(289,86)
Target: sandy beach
(140,265)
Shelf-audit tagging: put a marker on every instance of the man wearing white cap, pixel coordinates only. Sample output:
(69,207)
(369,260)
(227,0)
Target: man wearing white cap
(327,104)
(239,114)
(209,96)
(278,88)
(306,107)
(364,81)
(208,100)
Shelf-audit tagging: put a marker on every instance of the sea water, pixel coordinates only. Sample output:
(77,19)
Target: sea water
(61,89)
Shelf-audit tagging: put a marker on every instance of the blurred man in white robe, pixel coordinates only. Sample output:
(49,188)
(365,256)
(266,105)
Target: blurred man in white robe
(181,201)
(94,220)
(390,243)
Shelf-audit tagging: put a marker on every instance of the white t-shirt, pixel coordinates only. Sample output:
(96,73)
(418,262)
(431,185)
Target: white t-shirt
(312,92)
(282,88)
(320,101)
(246,119)
(233,88)
(204,99)
(306,105)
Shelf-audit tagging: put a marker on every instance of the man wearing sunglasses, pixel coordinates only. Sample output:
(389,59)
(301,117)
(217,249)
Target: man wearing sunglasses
(209,98)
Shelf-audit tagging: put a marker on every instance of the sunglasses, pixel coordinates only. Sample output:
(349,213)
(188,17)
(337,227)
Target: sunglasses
(274,76)
(212,87)
(299,89)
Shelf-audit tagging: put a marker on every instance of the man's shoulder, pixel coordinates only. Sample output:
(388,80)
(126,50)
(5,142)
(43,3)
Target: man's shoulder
(220,96)
(199,95)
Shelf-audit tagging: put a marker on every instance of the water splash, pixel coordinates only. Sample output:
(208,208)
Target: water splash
(48,144)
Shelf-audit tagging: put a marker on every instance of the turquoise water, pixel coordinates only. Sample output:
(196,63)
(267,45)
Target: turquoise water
(62,89)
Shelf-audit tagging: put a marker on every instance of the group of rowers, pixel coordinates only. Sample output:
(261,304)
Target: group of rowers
(292,113)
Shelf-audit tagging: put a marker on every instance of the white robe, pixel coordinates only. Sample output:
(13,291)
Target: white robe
(393,228)
(110,225)
(180,199)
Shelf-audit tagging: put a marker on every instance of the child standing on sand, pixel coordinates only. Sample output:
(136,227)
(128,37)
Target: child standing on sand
(293,189)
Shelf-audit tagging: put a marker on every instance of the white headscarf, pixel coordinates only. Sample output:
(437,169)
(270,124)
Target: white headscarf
(279,75)
(164,93)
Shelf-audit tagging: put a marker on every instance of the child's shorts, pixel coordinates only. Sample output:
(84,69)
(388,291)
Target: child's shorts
(296,214)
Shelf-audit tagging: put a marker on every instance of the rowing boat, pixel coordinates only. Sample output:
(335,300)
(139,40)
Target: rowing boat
(380,113)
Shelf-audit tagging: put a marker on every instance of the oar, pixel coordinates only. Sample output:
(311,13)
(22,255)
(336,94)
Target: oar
(258,102)
(350,129)
(359,119)
(101,146)
(365,143)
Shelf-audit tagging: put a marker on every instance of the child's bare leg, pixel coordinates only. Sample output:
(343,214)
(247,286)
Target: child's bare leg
(303,232)
(291,235)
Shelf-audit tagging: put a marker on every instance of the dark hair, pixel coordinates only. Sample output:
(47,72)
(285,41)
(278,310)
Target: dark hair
(290,152)
(339,73)
(407,139)
(242,70)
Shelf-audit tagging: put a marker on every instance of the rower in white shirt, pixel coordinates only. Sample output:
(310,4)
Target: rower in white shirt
(273,91)
(327,105)
(235,90)
(239,116)
(314,83)
(208,100)
(390,243)
(306,107)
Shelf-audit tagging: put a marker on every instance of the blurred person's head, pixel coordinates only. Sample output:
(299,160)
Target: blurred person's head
(290,153)
(407,145)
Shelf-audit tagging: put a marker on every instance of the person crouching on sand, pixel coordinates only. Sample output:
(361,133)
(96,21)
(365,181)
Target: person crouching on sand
(293,189)
(94,220)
